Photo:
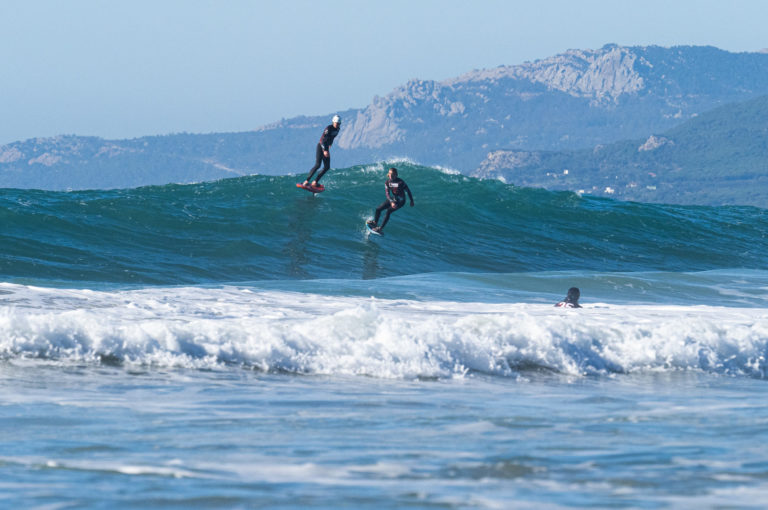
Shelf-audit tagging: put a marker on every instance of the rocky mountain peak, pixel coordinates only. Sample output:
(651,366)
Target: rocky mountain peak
(602,75)
(599,76)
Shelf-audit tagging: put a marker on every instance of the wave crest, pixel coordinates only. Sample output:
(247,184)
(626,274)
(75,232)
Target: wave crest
(313,334)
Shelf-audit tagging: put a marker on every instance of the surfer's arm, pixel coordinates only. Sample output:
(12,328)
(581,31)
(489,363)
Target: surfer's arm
(326,141)
(408,190)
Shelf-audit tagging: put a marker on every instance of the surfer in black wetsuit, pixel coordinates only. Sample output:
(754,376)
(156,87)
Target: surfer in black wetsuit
(571,300)
(322,153)
(395,189)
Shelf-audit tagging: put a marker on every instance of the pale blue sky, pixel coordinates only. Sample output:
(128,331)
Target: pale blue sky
(123,69)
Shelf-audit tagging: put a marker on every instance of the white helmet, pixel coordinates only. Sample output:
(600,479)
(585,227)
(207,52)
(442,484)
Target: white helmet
(336,119)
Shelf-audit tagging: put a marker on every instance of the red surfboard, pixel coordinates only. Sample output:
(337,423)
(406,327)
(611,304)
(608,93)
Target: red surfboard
(319,189)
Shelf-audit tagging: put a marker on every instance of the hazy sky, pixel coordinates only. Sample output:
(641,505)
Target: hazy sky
(123,69)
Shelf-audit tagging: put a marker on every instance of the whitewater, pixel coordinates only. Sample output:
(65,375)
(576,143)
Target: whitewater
(244,344)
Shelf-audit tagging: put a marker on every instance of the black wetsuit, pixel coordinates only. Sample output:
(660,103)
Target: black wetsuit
(323,145)
(395,190)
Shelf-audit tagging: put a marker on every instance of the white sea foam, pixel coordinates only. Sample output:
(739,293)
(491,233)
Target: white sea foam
(103,466)
(447,170)
(400,160)
(319,334)
(383,166)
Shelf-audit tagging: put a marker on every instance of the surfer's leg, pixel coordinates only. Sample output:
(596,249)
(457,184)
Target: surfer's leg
(318,159)
(386,219)
(326,165)
(384,205)
(390,210)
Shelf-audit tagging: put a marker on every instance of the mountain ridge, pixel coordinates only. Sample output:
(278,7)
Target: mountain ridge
(577,99)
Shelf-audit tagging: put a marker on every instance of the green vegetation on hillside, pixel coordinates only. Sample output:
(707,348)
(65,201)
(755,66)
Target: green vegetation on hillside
(719,157)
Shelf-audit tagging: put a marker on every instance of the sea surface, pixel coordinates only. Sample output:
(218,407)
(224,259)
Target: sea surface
(245,344)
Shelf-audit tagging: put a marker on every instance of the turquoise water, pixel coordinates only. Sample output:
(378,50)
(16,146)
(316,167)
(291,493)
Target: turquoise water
(257,228)
(244,344)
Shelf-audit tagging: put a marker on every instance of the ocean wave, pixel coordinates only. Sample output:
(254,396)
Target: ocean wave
(262,227)
(302,333)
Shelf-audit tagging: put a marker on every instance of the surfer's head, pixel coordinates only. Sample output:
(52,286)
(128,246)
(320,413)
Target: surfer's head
(573,295)
(336,120)
(392,172)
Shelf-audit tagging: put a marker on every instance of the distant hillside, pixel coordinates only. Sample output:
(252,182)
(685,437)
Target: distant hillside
(719,157)
(578,99)
(75,162)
